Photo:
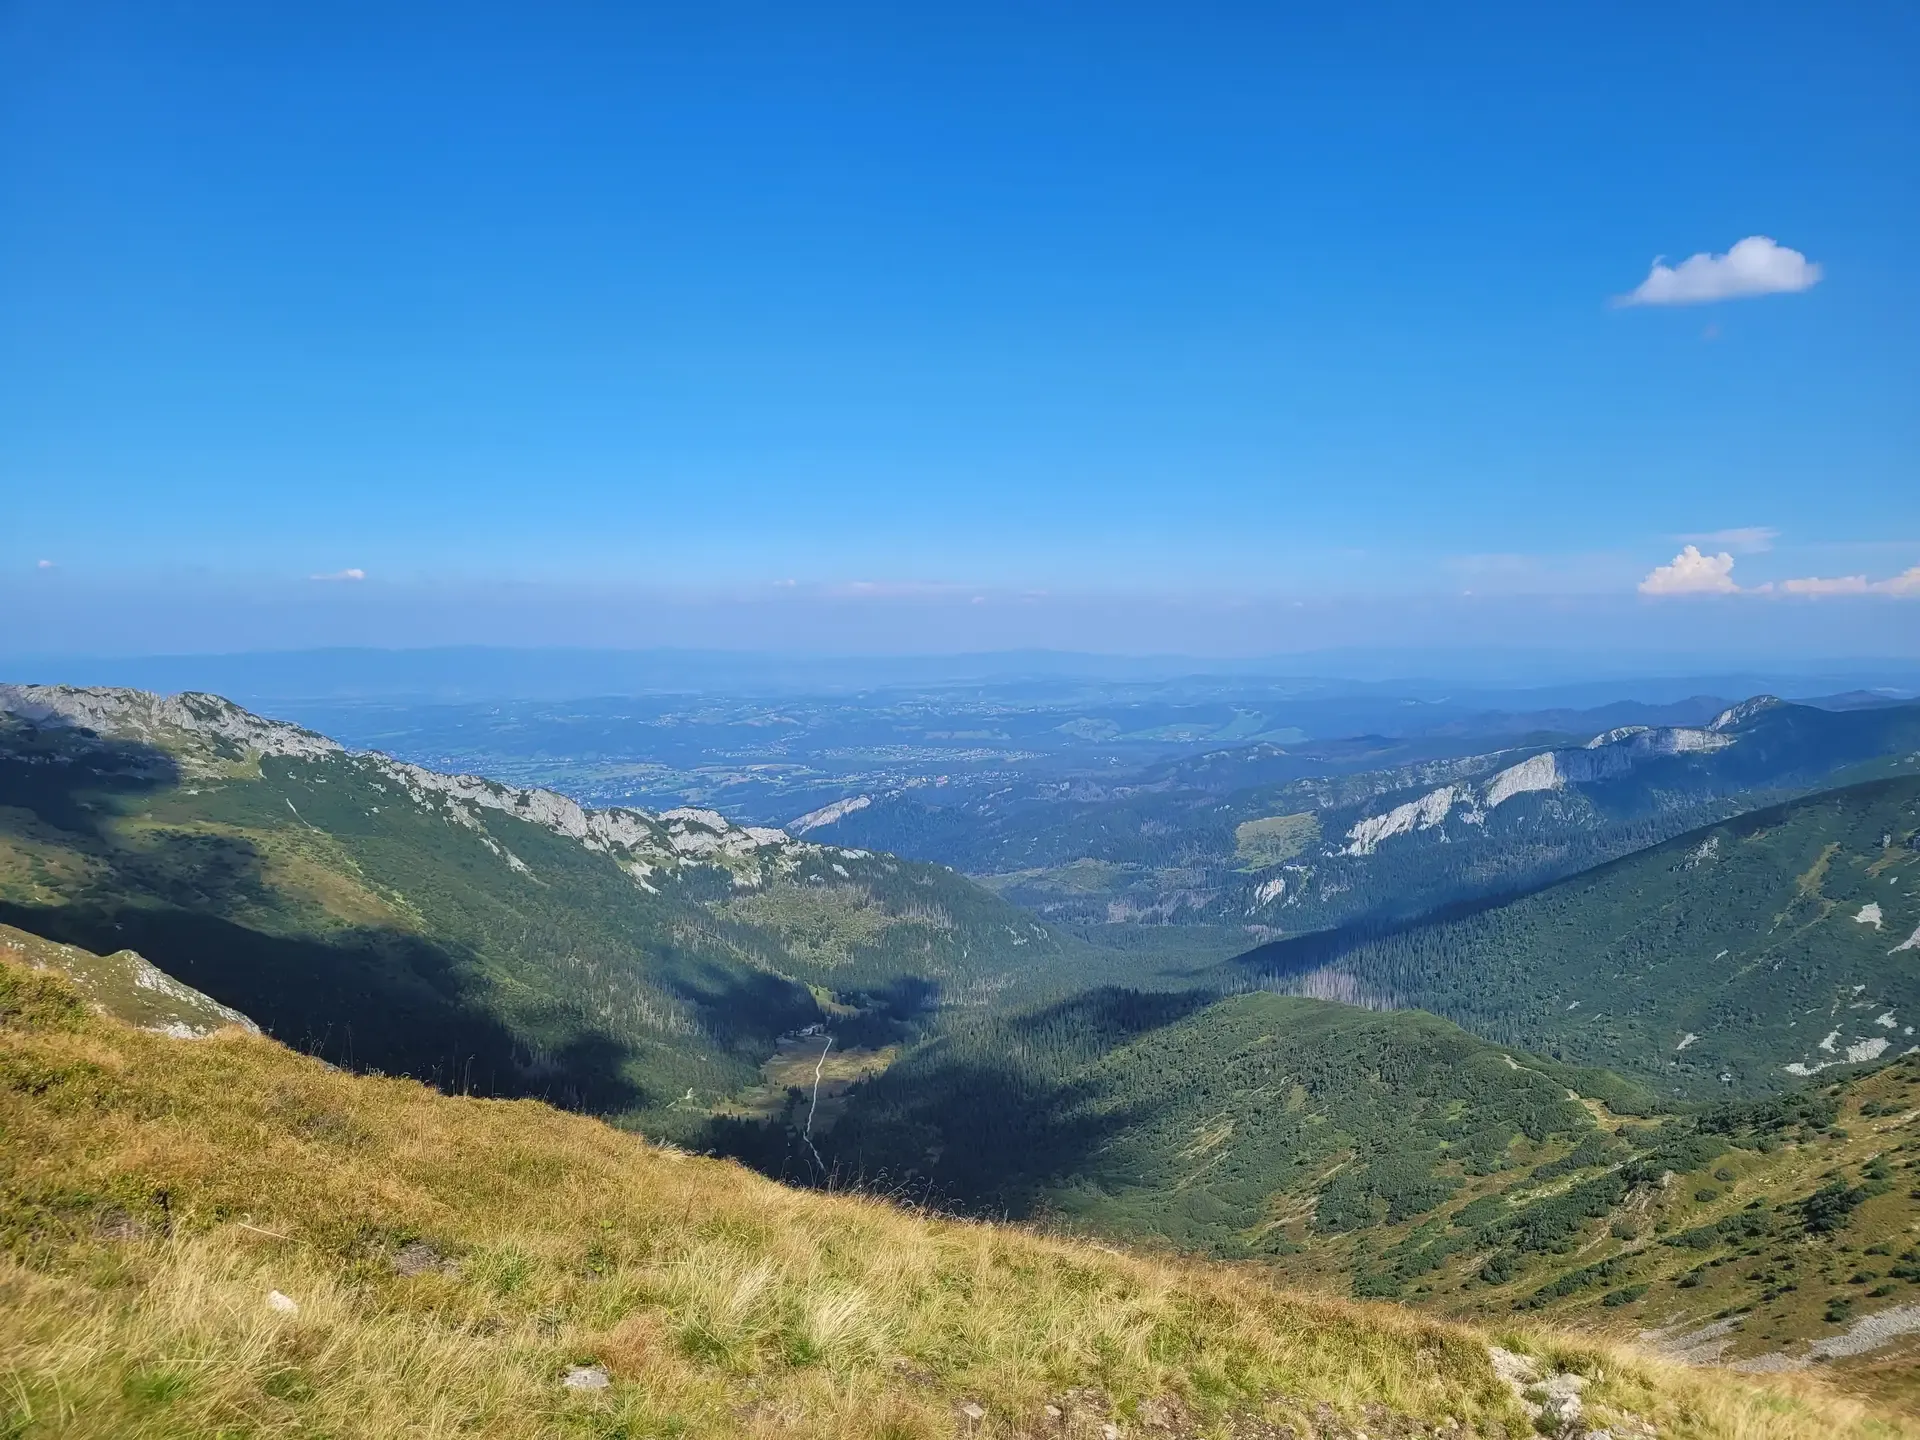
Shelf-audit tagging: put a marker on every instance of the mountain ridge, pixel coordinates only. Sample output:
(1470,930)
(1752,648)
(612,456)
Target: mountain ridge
(457,927)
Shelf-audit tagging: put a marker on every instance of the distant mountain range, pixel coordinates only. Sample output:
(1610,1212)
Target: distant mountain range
(1194,845)
(495,673)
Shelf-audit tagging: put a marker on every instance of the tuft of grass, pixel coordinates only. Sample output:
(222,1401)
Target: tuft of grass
(156,1193)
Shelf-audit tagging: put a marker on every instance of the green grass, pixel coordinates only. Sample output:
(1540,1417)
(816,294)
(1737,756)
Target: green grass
(1276,838)
(446,1261)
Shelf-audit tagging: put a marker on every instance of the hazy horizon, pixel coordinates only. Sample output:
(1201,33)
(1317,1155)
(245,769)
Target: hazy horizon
(1495,677)
(1233,333)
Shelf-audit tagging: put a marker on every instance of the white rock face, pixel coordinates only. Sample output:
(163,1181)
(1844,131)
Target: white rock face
(1738,714)
(129,987)
(1422,814)
(1607,756)
(1539,772)
(642,843)
(827,814)
(1869,915)
(1699,855)
(209,1014)
(1856,1052)
(138,715)
(1269,891)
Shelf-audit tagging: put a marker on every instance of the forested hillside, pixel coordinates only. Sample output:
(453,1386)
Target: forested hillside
(488,938)
(1213,1125)
(1744,956)
(1390,1154)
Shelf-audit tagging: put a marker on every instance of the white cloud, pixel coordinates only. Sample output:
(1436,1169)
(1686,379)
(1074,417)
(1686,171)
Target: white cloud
(1742,539)
(1754,266)
(355,574)
(890,589)
(43,565)
(1691,573)
(1906,584)
(1835,585)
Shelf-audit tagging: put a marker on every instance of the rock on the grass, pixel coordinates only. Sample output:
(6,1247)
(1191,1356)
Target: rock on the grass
(587,1377)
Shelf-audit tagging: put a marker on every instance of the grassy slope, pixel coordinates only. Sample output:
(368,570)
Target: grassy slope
(450,1258)
(1393,1155)
(1746,935)
(125,985)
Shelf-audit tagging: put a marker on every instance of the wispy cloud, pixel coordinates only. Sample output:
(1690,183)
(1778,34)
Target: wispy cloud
(1905,585)
(1692,573)
(1741,540)
(891,589)
(354,574)
(43,565)
(1754,266)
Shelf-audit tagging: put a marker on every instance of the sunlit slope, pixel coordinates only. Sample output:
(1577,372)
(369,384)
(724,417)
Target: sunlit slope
(1775,1234)
(220,1236)
(1392,1155)
(1745,956)
(488,938)
(126,986)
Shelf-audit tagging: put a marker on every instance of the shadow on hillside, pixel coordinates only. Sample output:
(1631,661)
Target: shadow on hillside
(72,779)
(367,999)
(739,1007)
(372,1000)
(983,1118)
(1298,955)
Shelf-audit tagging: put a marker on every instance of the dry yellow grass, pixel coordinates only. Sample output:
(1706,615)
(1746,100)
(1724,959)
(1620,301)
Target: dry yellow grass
(154,1193)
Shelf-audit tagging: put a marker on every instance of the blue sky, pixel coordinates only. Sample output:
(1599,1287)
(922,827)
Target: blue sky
(718,324)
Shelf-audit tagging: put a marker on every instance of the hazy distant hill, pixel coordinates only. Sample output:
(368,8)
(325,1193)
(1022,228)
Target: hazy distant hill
(1190,846)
